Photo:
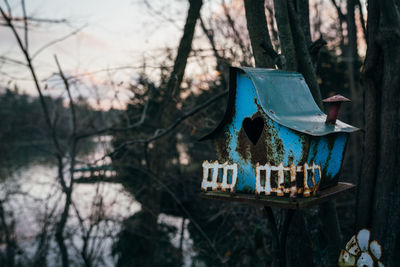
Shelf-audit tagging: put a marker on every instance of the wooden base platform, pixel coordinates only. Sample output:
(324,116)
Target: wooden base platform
(283,202)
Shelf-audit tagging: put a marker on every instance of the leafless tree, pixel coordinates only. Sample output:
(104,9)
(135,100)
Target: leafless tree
(378,203)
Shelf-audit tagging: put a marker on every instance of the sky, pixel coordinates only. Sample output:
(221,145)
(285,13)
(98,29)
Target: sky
(113,39)
(111,34)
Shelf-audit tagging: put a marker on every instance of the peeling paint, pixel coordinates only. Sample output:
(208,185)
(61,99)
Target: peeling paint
(291,147)
(214,183)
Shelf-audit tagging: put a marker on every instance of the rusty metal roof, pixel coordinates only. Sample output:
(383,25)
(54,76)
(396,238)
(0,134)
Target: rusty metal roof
(285,98)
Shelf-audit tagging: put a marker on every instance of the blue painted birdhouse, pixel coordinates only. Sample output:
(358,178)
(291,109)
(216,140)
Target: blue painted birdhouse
(274,139)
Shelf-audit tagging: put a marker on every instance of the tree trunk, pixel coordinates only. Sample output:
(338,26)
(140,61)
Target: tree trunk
(304,62)
(304,13)
(297,231)
(351,55)
(285,35)
(259,35)
(327,211)
(297,57)
(331,230)
(378,203)
(185,46)
(354,110)
(299,243)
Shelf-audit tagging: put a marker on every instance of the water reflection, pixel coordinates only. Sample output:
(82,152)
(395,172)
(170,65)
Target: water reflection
(32,200)
(31,195)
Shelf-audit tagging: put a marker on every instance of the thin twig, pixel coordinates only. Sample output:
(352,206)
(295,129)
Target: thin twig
(116,129)
(34,76)
(158,13)
(8,7)
(3,58)
(76,77)
(56,41)
(41,20)
(71,102)
(59,233)
(162,132)
(25,25)
(236,33)
(172,194)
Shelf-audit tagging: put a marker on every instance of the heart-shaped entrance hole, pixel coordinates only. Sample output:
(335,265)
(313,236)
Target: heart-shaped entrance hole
(253,128)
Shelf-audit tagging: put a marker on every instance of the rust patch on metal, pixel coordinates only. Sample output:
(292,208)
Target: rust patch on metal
(243,146)
(221,146)
(216,178)
(269,147)
(260,153)
(305,142)
(282,188)
(331,143)
(272,143)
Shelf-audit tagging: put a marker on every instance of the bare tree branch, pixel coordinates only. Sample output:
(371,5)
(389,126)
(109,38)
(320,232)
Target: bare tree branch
(18,62)
(8,7)
(56,41)
(71,102)
(236,34)
(259,34)
(162,132)
(34,76)
(59,153)
(160,14)
(34,19)
(341,15)
(117,129)
(173,195)
(362,20)
(25,25)
(222,64)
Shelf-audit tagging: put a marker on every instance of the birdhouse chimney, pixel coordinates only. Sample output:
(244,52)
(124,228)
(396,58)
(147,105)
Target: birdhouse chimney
(334,107)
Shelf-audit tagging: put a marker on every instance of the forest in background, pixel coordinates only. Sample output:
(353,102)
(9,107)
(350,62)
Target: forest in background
(22,120)
(154,141)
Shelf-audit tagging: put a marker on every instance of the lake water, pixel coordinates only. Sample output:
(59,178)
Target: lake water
(30,192)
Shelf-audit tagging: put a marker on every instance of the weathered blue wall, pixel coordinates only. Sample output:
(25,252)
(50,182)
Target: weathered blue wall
(277,143)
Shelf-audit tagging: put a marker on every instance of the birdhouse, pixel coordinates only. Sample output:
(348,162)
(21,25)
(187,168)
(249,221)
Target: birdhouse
(274,139)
